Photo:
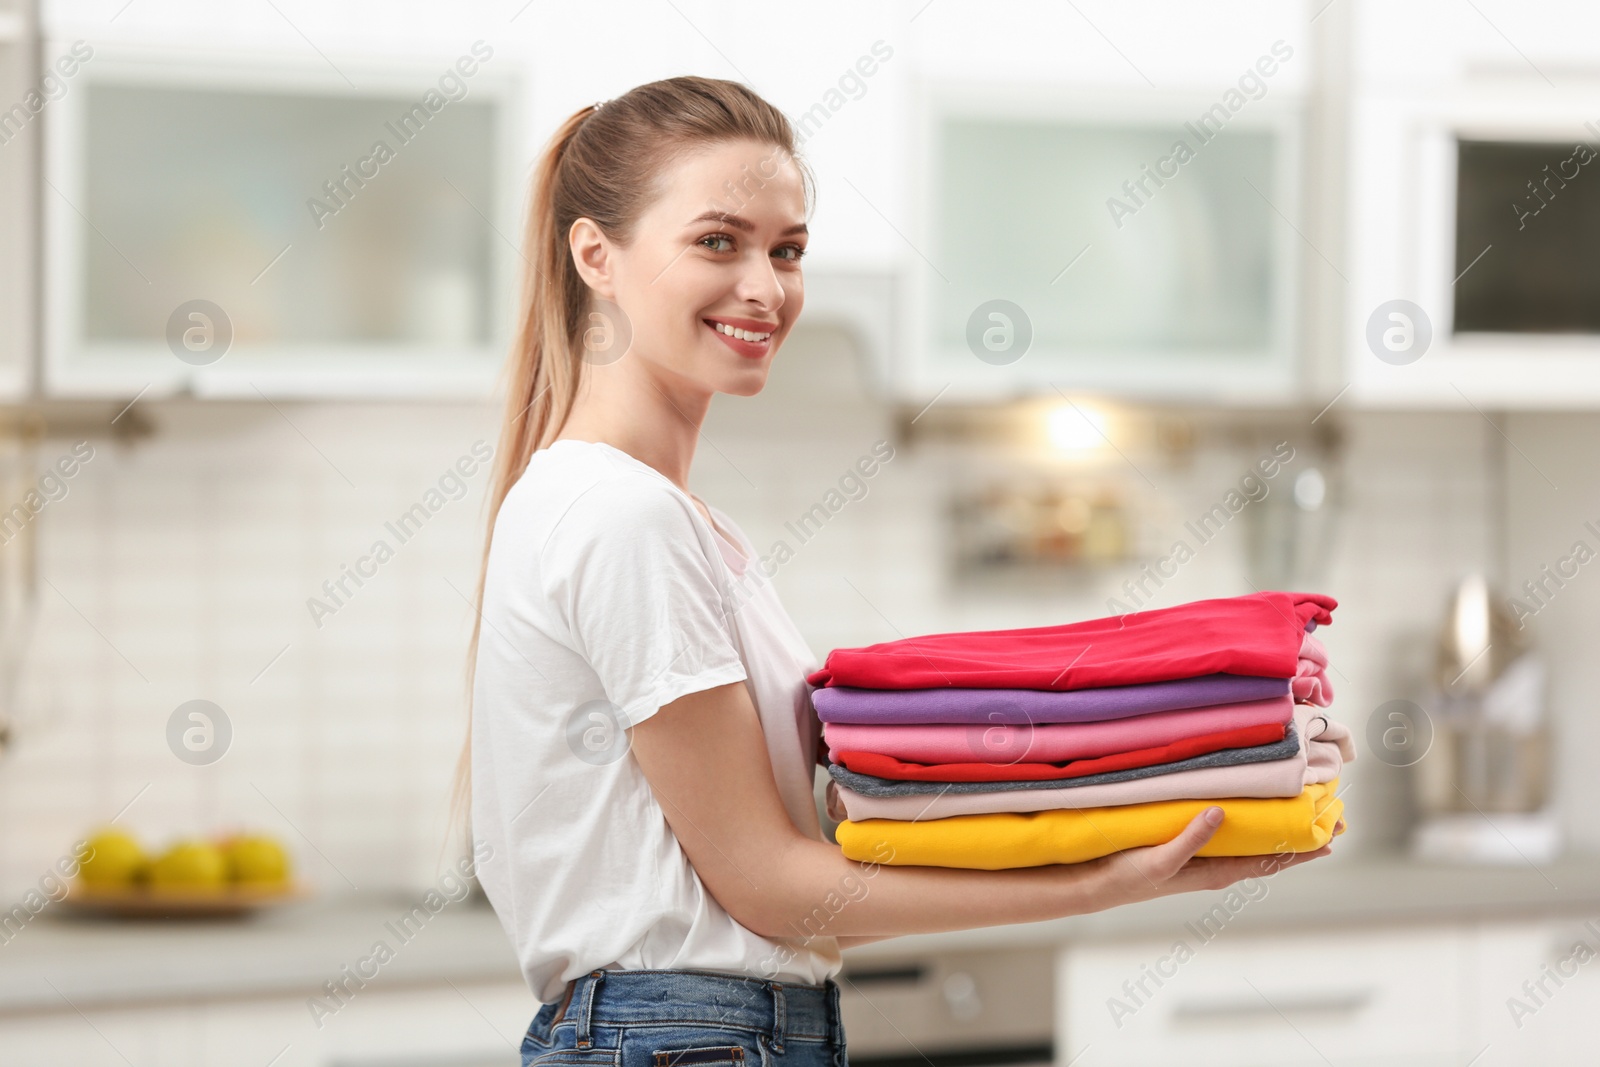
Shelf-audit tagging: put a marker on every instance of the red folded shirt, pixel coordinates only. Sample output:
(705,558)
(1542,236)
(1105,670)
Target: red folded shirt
(1259,635)
(889,767)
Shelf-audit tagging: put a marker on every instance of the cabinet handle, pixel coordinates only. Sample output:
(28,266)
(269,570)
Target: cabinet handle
(913,974)
(1231,1012)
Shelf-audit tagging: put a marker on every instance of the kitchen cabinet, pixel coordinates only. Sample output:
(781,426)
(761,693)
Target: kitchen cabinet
(19,152)
(1079,240)
(1052,238)
(1540,993)
(979,162)
(253,224)
(1427,76)
(975,163)
(466,1024)
(1413,277)
(1370,997)
(1514,993)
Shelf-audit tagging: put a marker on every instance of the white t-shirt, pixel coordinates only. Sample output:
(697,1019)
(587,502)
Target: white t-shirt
(608,596)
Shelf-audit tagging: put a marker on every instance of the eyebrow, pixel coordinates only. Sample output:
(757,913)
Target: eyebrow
(742,224)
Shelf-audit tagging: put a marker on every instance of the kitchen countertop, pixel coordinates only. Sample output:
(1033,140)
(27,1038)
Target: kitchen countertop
(1316,896)
(63,963)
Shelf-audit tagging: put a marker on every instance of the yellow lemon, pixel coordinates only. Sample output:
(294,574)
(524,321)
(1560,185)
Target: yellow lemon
(113,858)
(256,860)
(190,865)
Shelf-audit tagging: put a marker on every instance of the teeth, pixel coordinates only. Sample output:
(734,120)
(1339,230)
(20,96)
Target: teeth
(743,335)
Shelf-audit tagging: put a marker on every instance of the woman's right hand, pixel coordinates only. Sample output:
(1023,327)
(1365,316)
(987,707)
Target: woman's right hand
(1160,870)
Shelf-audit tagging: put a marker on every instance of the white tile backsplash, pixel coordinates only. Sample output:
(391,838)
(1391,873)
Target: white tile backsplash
(179,567)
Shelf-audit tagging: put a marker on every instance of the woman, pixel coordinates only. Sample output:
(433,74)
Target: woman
(643,747)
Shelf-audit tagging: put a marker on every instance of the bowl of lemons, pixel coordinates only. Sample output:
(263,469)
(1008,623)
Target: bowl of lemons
(195,876)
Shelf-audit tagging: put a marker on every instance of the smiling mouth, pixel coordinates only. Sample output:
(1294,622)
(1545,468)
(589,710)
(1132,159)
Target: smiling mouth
(733,331)
(749,343)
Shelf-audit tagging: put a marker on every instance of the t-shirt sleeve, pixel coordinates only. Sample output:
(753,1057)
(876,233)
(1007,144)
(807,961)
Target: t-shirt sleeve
(627,571)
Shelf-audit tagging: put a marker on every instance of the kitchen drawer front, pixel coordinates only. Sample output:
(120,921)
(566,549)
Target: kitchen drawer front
(461,1024)
(1344,997)
(922,1004)
(1539,996)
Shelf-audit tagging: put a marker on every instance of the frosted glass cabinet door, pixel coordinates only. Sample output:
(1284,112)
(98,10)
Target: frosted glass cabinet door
(1129,281)
(19,153)
(337,236)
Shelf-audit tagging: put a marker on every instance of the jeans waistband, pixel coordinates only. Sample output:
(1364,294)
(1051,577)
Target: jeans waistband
(713,998)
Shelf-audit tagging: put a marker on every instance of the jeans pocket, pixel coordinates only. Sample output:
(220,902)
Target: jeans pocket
(572,1057)
(539,1035)
(702,1056)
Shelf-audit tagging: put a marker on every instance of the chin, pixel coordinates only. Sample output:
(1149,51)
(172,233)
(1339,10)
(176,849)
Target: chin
(748,384)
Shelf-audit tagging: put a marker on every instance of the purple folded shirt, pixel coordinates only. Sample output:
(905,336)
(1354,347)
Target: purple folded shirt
(953,705)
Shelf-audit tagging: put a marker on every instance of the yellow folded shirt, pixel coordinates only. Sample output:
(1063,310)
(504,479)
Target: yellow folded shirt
(1251,827)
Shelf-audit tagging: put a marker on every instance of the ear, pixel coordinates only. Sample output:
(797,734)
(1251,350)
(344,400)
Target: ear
(591,254)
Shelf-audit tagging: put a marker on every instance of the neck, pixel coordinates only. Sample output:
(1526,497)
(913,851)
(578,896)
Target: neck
(653,416)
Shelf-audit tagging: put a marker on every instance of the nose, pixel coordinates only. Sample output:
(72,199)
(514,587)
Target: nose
(759,285)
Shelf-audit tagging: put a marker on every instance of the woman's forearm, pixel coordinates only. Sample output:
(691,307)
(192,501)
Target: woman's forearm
(852,940)
(818,892)
(814,891)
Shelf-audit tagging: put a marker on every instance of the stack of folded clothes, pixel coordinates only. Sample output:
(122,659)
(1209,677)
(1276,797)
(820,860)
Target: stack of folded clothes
(1059,744)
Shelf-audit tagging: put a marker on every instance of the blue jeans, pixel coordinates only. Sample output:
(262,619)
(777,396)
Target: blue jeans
(687,1018)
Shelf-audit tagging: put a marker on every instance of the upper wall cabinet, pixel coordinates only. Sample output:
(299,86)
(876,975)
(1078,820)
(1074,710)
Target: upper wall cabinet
(256,226)
(1474,207)
(1119,242)
(23,97)
(1475,238)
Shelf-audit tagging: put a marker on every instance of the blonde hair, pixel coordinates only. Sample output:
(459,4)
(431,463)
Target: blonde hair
(605,163)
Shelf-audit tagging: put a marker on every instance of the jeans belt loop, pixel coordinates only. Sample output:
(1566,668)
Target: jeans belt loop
(586,1008)
(777,1016)
(835,1017)
(566,999)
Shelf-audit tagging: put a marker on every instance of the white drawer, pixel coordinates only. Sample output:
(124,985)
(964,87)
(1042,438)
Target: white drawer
(1367,997)
(1538,995)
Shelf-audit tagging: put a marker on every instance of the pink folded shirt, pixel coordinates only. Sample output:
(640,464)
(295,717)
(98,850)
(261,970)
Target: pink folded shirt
(1310,682)
(1049,742)
(1325,748)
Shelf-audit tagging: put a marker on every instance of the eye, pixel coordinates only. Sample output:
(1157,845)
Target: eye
(796,249)
(717,237)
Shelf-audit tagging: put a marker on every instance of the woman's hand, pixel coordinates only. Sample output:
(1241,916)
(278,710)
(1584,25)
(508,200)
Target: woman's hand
(1160,870)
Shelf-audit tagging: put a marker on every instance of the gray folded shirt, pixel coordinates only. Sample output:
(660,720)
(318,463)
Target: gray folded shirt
(873,786)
